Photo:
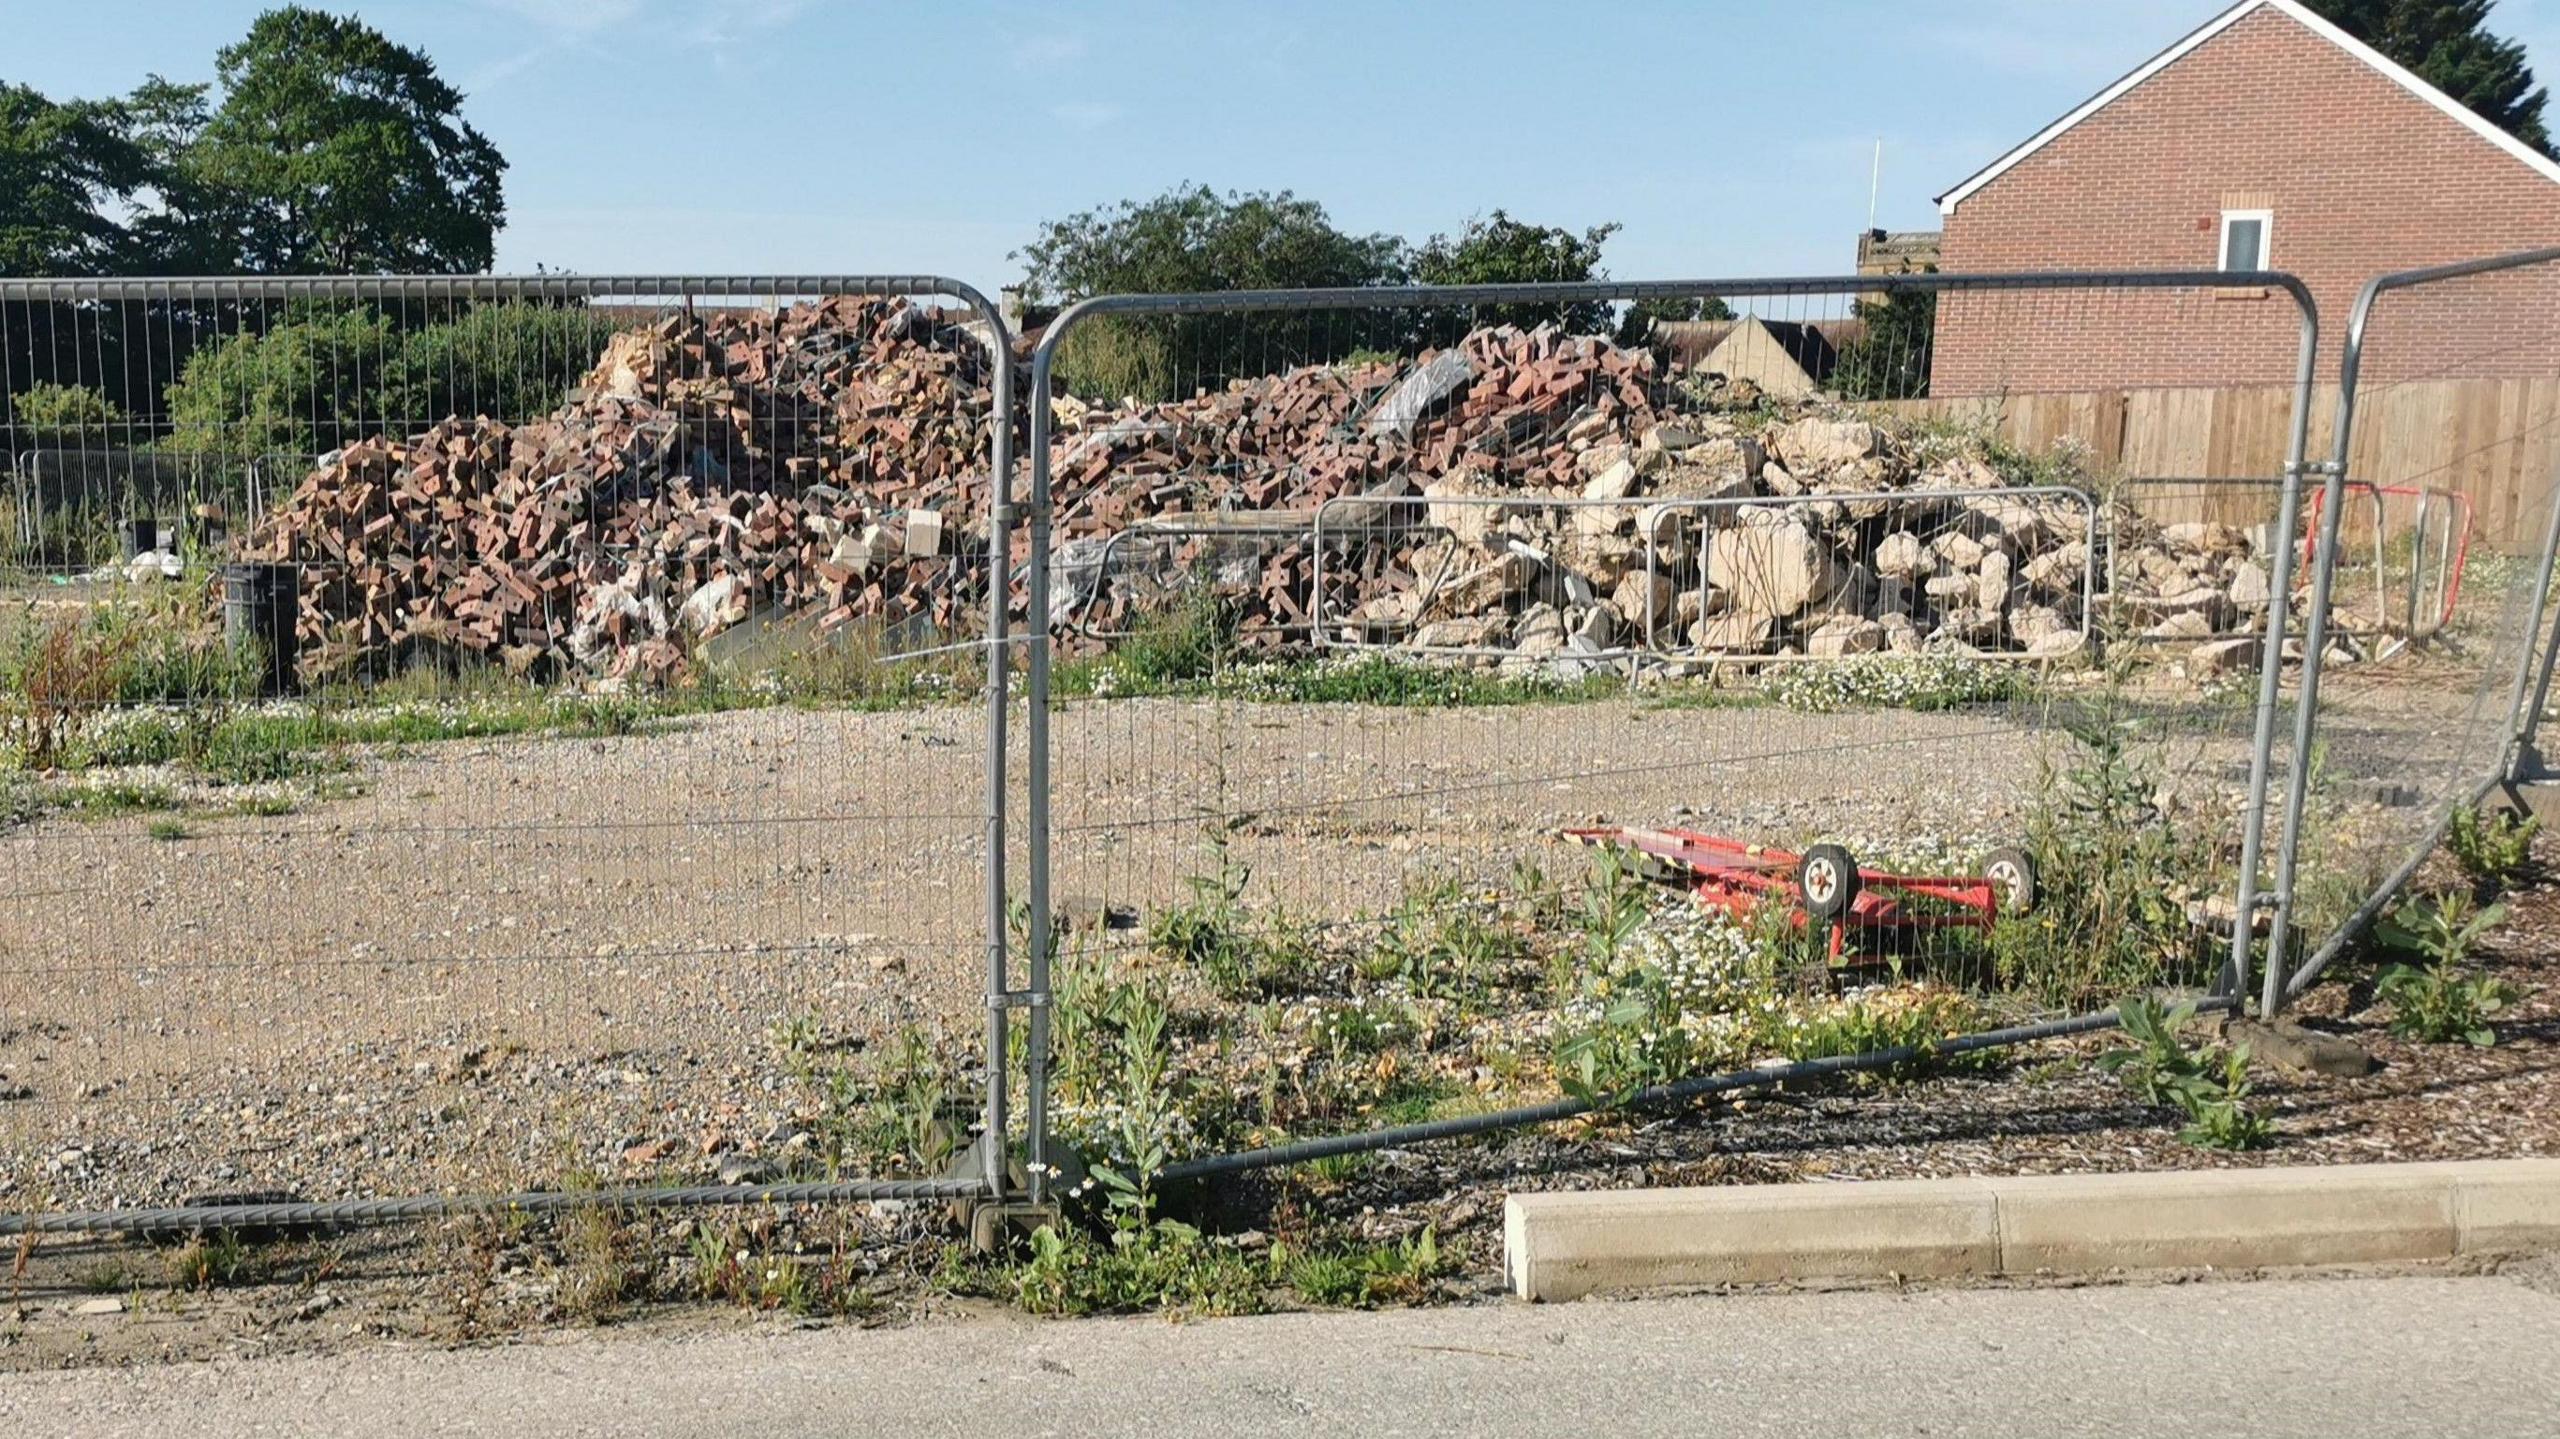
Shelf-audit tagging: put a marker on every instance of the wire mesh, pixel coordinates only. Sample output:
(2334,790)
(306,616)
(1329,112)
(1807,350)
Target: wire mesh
(2439,615)
(1431,578)
(477,735)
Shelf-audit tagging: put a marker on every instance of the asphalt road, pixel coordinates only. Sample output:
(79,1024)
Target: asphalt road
(2367,1357)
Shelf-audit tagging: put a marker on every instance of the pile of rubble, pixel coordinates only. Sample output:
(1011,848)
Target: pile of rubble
(823,458)
(1523,495)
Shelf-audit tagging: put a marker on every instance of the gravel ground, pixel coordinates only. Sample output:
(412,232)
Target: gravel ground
(505,959)
(515,961)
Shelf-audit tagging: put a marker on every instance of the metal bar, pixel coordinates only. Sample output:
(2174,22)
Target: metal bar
(1036,843)
(2253,831)
(999,668)
(432,287)
(447,1206)
(1799,1071)
(2520,723)
(1380,297)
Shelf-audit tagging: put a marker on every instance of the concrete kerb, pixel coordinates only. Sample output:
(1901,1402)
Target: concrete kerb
(1564,1246)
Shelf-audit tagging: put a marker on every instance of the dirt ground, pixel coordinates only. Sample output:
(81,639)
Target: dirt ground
(505,962)
(505,956)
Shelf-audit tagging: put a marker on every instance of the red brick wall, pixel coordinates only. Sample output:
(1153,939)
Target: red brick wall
(2363,177)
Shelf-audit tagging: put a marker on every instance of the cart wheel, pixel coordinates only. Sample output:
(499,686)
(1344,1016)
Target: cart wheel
(2013,878)
(1828,878)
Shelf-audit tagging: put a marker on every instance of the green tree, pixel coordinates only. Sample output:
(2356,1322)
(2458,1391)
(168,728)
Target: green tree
(1499,250)
(335,150)
(1889,358)
(2447,43)
(62,166)
(1192,239)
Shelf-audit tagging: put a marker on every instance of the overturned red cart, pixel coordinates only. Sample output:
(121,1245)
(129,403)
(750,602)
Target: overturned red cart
(1825,884)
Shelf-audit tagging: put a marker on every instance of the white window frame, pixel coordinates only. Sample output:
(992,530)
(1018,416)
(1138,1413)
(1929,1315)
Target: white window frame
(2266,237)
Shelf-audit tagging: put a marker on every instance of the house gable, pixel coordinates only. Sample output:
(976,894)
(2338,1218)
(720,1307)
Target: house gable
(2300,14)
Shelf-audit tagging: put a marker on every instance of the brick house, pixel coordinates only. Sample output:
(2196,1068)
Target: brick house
(2267,139)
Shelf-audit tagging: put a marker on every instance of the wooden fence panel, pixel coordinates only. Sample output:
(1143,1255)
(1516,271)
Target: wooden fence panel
(2495,441)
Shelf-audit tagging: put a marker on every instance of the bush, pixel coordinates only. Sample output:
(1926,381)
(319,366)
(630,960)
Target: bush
(328,377)
(66,415)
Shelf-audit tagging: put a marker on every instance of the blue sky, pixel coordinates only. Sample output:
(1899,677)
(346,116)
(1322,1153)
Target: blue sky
(761,135)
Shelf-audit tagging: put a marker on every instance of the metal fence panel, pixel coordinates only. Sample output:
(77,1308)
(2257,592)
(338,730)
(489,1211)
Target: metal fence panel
(1419,567)
(2403,745)
(619,803)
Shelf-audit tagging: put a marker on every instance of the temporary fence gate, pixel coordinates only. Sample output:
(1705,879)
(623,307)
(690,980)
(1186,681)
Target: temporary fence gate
(2405,746)
(447,973)
(439,972)
(1501,504)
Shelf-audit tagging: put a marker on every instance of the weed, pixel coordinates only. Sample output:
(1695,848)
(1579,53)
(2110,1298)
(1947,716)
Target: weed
(1363,1276)
(2439,929)
(1441,942)
(2439,1005)
(2210,1087)
(601,1269)
(2110,918)
(169,829)
(1166,1266)
(1213,931)
(209,1261)
(2491,849)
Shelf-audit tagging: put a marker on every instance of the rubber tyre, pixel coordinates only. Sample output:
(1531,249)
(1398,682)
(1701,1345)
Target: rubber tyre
(2013,879)
(1827,877)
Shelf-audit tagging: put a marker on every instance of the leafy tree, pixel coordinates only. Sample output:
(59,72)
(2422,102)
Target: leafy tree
(62,165)
(334,149)
(2447,43)
(1502,251)
(1889,359)
(1192,239)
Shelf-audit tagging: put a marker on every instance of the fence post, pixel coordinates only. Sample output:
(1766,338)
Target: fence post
(2244,915)
(2524,717)
(999,600)
(1036,737)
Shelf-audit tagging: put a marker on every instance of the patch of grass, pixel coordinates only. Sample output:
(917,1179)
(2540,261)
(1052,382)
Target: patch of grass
(1364,1276)
(169,829)
(1168,1267)
(113,799)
